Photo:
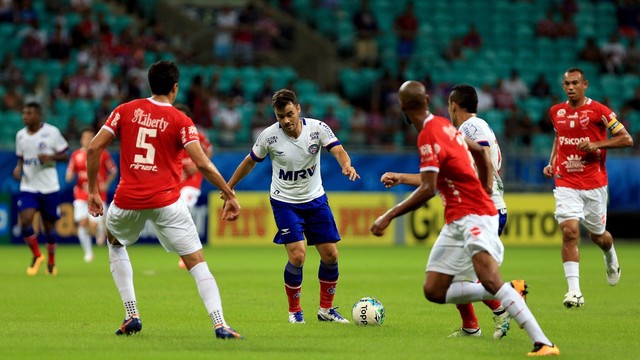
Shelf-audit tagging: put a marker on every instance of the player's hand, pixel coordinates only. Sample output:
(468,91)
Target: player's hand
(230,210)
(380,225)
(95,204)
(548,171)
(44,158)
(390,179)
(587,146)
(350,172)
(17,172)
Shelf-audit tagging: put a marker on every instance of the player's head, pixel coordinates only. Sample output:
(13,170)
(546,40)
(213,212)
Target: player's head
(285,106)
(574,84)
(414,101)
(163,78)
(184,108)
(463,100)
(31,113)
(85,137)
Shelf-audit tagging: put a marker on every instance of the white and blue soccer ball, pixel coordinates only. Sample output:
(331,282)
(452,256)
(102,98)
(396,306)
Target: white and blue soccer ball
(368,311)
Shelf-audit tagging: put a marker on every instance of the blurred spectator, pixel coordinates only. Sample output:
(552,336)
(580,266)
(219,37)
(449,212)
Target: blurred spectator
(385,89)
(236,91)
(375,124)
(331,119)
(59,46)
(102,112)
(454,50)
(358,127)
(198,103)
(591,51)
(266,32)
(568,7)
(613,55)
(229,123)
(80,83)
(472,39)
(63,89)
(226,22)
(632,60)
(261,119)
(406,28)
(541,87)
(485,99)
(12,100)
(72,132)
(566,27)
(243,35)
(546,27)
(83,32)
(7,11)
(34,42)
(266,91)
(38,92)
(366,31)
(628,16)
(632,104)
(501,97)
(515,86)
(26,13)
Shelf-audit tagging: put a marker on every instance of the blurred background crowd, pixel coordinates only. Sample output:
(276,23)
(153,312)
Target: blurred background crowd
(345,59)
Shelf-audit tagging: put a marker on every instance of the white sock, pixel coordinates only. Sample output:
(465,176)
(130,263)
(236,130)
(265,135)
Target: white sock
(463,292)
(85,240)
(122,273)
(610,257)
(518,309)
(572,273)
(209,293)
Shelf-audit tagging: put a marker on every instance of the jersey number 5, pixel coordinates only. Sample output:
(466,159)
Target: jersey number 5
(141,143)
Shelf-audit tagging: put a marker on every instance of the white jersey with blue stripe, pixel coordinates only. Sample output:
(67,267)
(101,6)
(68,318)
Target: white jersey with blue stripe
(39,177)
(479,131)
(295,176)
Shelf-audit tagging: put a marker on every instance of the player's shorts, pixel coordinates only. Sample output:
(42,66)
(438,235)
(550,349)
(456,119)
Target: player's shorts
(46,204)
(174,226)
(312,220)
(502,220)
(190,196)
(460,240)
(587,206)
(81,211)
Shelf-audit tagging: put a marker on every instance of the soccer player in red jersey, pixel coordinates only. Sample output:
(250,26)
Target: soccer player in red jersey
(469,242)
(153,135)
(577,164)
(88,225)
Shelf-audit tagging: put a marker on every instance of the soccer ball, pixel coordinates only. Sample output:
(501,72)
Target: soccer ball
(368,311)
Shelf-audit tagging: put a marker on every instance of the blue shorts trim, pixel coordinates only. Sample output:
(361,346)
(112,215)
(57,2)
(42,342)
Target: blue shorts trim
(502,220)
(312,220)
(46,204)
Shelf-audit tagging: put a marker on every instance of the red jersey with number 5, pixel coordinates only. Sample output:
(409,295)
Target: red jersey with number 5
(152,137)
(443,150)
(574,168)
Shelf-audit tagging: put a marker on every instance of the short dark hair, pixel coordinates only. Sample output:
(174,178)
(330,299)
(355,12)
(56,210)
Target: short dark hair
(465,96)
(162,76)
(282,97)
(88,129)
(34,105)
(184,108)
(578,70)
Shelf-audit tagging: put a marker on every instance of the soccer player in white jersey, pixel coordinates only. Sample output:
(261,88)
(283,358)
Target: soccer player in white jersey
(298,200)
(153,134)
(38,147)
(463,106)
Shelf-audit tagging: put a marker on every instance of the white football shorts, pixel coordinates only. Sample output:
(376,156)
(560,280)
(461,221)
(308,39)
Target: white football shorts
(587,206)
(81,211)
(190,196)
(174,226)
(460,240)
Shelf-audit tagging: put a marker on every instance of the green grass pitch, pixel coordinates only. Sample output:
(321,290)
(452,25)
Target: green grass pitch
(74,315)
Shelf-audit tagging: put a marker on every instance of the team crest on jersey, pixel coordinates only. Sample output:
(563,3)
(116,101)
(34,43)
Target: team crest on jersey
(561,113)
(584,121)
(313,149)
(42,145)
(573,163)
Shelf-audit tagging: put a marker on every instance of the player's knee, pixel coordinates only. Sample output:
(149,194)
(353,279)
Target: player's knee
(570,233)
(433,294)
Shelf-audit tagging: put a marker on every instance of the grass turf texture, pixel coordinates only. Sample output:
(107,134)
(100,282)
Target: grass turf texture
(74,315)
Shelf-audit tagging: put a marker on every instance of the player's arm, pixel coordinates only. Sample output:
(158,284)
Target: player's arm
(344,160)
(619,139)
(484,166)
(17,171)
(99,142)
(549,169)
(243,169)
(391,179)
(231,209)
(425,191)
(61,156)
(70,174)
(112,173)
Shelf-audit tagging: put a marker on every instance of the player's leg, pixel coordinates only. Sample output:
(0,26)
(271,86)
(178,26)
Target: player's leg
(81,217)
(328,277)
(177,232)
(189,195)
(26,215)
(49,212)
(569,211)
(123,229)
(595,220)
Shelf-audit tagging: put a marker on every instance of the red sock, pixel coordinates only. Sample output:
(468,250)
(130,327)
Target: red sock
(32,241)
(468,315)
(493,304)
(51,249)
(327,292)
(293,295)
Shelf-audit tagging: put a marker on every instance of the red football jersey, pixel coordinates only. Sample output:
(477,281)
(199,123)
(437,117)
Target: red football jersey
(574,168)
(443,150)
(194,180)
(78,166)
(152,138)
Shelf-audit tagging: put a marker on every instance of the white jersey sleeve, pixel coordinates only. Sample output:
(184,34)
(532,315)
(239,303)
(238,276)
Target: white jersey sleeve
(37,176)
(480,132)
